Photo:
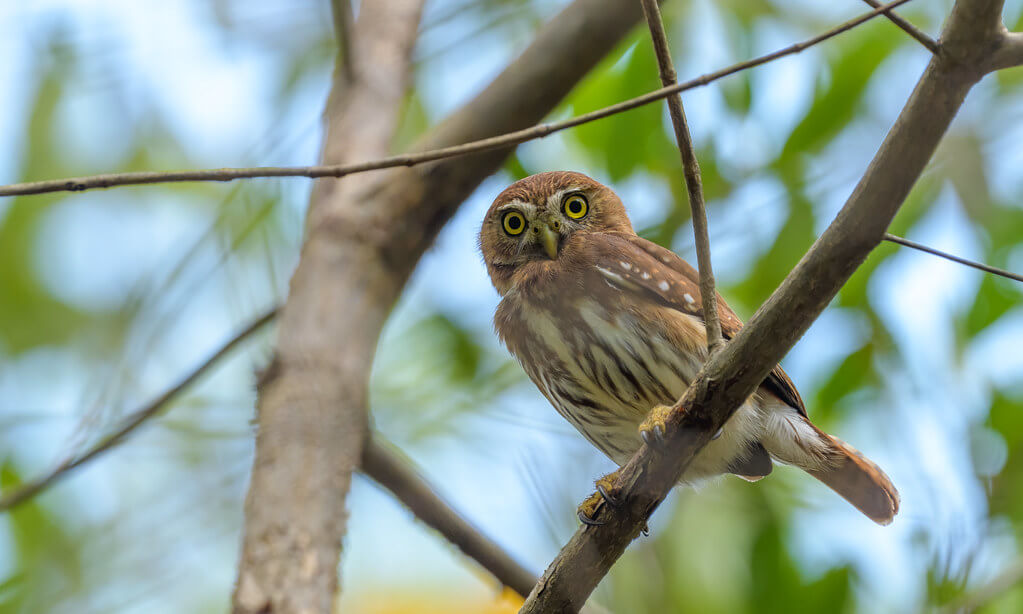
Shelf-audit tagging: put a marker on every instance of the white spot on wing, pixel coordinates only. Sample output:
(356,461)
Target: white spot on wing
(646,275)
(613,279)
(626,265)
(663,286)
(689,298)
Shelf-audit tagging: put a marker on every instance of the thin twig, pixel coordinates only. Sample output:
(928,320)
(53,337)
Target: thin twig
(77,184)
(926,41)
(691,171)
(970,263)
(134,420)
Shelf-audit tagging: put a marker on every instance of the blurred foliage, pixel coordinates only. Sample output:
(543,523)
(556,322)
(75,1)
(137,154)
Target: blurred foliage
(917,360)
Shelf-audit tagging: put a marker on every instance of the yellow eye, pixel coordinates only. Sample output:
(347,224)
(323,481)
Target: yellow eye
(576,206)
(513,223)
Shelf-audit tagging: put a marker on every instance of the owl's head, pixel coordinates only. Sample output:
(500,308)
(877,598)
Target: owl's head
(532,219)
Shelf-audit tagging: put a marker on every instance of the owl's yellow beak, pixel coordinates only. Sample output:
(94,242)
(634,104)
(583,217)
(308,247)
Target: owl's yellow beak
(549,237)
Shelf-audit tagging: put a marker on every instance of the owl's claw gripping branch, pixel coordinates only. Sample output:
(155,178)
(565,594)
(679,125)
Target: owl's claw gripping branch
(652,429)
(606,493)
(611,500)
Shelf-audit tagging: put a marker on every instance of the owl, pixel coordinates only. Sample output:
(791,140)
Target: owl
(609,326)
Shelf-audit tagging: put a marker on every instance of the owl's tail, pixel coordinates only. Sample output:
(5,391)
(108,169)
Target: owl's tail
(859,481)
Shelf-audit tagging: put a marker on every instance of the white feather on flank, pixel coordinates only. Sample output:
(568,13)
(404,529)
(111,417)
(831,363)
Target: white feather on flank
(789,438)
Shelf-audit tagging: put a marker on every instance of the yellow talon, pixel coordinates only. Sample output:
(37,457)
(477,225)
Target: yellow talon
(606,493)
(654,427)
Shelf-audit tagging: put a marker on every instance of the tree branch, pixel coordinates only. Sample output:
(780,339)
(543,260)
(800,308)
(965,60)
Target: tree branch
(691,171)
(311,403)
(909,28)
(384,465)
(970,263)
(133,420)
(731,375)
(1009,52)
(363,240)
(424,155)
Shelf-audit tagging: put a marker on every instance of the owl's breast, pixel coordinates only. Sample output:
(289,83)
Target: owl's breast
(602,366)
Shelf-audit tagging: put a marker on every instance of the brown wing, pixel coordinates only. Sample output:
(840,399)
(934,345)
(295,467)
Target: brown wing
(673,282)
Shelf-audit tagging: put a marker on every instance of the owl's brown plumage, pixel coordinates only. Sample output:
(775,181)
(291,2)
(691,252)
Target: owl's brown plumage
(609,325)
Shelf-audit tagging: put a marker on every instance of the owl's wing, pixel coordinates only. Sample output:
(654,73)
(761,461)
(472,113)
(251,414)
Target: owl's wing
(671,281)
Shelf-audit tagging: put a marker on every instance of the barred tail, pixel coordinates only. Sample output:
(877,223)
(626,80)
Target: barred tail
(860,482)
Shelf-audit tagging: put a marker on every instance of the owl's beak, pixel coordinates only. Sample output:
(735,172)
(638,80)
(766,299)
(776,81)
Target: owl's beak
(549,237)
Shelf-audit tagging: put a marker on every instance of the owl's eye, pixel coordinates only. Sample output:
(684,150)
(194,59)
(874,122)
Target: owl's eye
(576,207)
(513,223)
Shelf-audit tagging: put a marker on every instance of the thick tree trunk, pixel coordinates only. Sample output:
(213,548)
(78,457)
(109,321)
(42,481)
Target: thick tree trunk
(312,399)
(365,234)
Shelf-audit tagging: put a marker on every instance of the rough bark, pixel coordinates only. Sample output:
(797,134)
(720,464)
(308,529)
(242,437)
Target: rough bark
(972,33)
(364,237)
(312,400)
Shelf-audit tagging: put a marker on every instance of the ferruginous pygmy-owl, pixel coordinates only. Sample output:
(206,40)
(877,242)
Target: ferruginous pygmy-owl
(610,328)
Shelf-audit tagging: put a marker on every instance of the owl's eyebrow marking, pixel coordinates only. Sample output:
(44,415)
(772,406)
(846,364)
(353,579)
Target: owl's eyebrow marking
(518,204)
(555,198)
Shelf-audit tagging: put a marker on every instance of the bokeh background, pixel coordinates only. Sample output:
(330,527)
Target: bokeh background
(108,297)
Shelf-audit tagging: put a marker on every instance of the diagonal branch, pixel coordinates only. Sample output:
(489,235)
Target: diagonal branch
(923,39)
(934,252)
(385,466)
(731,375)
(134,420)
(424,155)
(691,170)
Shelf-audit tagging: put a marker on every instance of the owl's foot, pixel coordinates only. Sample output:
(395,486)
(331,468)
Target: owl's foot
(606,493)
(653,428)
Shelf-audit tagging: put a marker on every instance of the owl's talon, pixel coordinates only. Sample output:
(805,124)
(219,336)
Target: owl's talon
(610,499)
(586,520)
(653,429)
(606,493)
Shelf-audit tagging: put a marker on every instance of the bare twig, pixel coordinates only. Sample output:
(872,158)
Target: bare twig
(384,465)
(78,184)
(926,41)
(133,421)
(970,263)
(691,170)
(731,375)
